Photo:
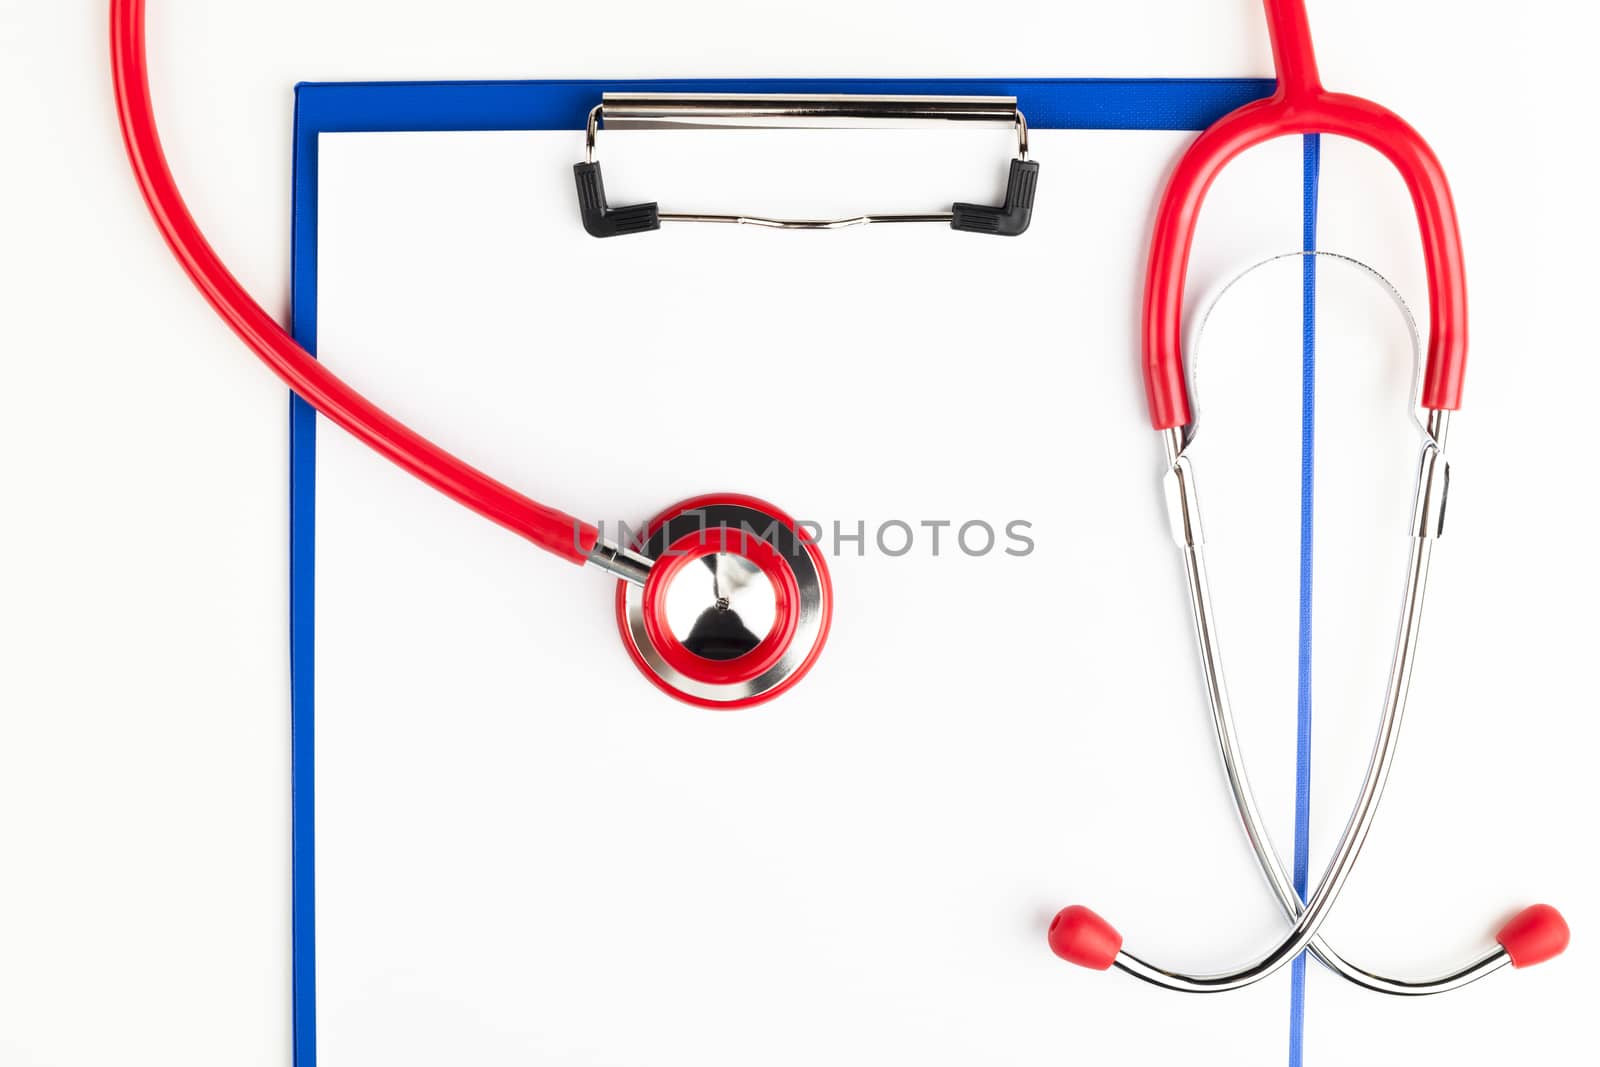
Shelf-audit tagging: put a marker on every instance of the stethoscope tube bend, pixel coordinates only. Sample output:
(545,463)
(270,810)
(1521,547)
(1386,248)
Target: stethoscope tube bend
(658,652)
(1301,105)
(547,527)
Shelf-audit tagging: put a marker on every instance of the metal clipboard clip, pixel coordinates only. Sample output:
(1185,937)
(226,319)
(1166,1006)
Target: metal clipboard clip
(659,111)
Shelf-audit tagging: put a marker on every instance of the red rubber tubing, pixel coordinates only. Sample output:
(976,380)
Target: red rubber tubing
(1301,105)
(341,404)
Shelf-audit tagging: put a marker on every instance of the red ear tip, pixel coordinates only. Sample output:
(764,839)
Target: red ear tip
(1080,936)
(1534,935)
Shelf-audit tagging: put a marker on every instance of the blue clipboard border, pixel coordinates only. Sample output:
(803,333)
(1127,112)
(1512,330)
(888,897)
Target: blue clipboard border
(347,107)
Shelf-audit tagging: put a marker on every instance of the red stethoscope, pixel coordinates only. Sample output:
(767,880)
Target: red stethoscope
(726,601)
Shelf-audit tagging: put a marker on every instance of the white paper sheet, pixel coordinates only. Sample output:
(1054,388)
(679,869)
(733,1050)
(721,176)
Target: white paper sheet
(526,853)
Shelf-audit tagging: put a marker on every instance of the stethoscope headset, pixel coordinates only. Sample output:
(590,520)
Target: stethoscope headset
(725,600)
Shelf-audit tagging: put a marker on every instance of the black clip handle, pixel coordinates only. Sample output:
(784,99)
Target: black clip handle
(1010,218)
(602,220)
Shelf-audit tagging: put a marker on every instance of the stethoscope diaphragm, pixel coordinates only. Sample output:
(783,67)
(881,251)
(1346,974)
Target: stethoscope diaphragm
(736,604)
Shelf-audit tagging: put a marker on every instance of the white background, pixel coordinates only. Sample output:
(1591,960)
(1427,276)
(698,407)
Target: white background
(143,765)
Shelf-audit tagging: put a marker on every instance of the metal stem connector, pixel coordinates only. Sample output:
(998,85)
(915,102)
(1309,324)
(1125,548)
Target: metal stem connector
(625,563)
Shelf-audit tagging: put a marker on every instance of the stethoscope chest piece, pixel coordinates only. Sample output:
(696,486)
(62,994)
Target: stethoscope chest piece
(736,605)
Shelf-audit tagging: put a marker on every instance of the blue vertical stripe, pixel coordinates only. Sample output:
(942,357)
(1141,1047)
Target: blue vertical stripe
(1312,167)
(302,609)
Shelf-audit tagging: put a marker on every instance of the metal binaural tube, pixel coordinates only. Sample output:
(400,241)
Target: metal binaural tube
(1232,759)
(1316,910)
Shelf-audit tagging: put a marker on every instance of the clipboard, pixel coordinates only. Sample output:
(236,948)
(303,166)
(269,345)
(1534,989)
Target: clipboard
(1098,104)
